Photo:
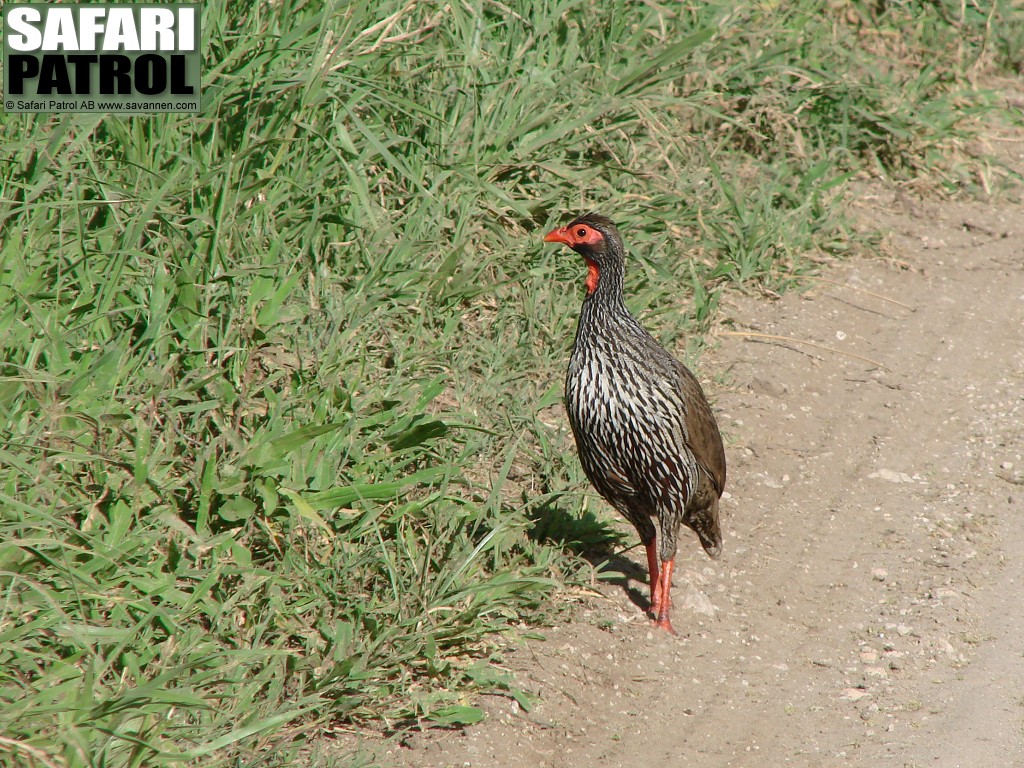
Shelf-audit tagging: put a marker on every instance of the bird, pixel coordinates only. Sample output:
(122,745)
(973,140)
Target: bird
(645,433)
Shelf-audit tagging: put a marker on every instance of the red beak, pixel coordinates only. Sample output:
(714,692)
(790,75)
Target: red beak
(560,235)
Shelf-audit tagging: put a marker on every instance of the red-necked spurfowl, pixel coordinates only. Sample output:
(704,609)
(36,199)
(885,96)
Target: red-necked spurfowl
(644,430)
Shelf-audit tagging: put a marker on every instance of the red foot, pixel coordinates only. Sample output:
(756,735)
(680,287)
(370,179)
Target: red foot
(663,623)
(665,601)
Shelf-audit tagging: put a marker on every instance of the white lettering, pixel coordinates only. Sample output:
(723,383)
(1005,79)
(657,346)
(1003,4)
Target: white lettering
(186,29)
(121,32)
(60,30)
(157,22)
(90,24)
(159,29)
(24,36)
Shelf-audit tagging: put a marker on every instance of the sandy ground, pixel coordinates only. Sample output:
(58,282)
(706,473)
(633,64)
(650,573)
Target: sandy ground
(867,609)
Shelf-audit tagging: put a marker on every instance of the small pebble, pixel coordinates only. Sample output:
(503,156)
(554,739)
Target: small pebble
(854,694)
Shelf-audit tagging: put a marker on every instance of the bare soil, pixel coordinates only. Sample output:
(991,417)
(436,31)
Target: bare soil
(867,609)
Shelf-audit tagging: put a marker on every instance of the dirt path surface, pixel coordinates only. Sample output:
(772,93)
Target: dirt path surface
(867,609)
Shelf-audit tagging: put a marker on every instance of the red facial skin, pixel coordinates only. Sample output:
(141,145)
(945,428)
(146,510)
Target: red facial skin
(574,237)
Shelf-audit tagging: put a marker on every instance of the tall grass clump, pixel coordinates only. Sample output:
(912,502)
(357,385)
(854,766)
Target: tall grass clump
(281,380)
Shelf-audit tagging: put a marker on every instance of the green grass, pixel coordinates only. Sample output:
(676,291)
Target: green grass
(280,380)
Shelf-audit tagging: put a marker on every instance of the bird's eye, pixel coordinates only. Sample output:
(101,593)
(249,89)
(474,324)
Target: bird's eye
(581,232)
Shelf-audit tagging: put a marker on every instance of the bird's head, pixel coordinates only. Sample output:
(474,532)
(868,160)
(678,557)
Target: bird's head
(595,238)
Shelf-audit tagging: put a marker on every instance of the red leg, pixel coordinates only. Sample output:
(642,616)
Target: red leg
(652,570)
(665,584)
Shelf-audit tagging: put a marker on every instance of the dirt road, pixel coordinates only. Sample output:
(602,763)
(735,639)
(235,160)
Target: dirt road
(868,607)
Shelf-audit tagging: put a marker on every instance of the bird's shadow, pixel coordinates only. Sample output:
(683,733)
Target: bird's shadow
(623,572)
(596,541)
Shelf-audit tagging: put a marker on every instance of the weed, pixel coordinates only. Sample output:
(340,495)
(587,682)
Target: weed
(280,380)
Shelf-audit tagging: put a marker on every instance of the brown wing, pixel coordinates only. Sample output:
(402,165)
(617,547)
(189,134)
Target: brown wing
(705,439)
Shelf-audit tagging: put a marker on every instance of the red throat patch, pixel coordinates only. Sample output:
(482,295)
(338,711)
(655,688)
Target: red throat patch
(593,274)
